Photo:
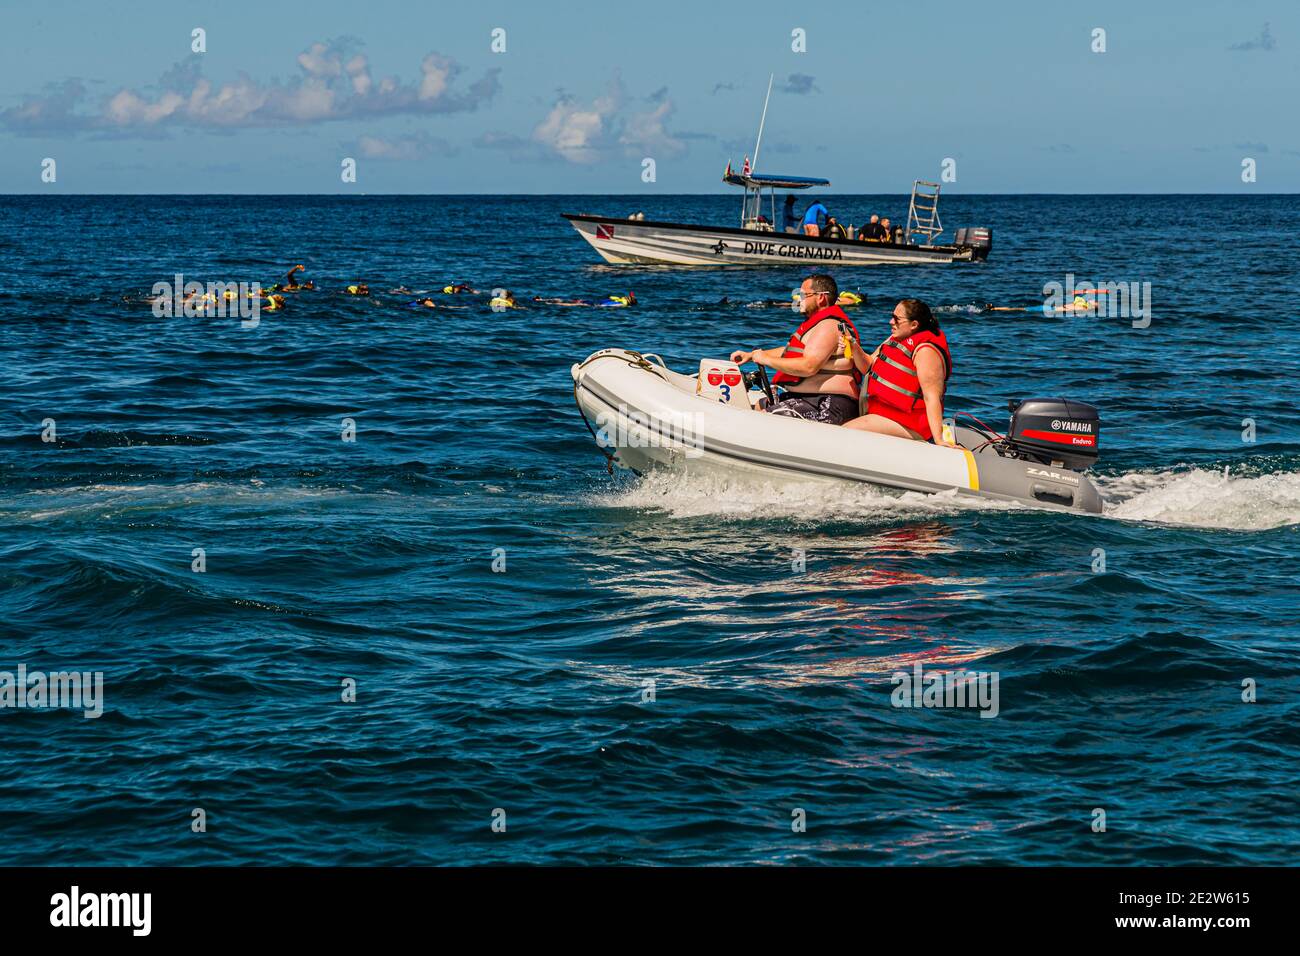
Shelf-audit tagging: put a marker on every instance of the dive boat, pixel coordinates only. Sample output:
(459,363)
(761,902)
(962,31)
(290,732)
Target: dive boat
(639,241)
(634,240)
(645,416)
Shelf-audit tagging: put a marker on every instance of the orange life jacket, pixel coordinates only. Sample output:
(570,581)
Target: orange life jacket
(893,387)
(794,348)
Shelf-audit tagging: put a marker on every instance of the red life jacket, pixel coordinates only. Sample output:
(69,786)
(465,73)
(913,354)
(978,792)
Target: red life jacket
(794,348)
(893,388)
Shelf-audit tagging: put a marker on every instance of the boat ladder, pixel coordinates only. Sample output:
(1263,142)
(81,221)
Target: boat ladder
(923,212)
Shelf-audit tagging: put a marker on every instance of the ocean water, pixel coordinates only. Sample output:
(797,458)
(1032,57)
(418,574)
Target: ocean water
(523,695)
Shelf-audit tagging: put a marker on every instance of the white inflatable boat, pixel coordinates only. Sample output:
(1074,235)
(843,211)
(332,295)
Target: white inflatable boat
(646,416)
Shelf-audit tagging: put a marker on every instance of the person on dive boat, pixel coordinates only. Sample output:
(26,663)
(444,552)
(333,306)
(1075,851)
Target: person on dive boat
(834,230)
(873,231)
(886,231)
(905,376)
(814,218)
(789,218)
(817,383)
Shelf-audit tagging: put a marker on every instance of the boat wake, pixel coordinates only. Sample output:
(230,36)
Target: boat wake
(694,496)
(1198,498)
(1204,498)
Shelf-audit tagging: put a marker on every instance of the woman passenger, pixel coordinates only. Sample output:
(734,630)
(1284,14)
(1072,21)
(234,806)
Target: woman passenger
(905,377)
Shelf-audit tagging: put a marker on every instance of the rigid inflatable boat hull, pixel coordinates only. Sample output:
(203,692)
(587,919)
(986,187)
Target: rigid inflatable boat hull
(648,417)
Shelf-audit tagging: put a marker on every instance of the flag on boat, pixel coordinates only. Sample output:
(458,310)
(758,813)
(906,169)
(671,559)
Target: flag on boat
(728,172)
(603,231)
(745,171)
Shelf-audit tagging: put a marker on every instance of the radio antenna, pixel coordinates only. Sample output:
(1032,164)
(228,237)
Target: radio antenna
(759,143)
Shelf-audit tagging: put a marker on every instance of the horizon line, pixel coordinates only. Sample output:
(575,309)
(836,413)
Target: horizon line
(359,195)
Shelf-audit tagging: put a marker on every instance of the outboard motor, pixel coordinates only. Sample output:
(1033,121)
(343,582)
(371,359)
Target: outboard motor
(978,239)
(1055,431)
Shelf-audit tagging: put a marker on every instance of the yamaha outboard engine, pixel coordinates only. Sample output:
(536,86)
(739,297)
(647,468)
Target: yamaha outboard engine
(1055,431)
(978,239)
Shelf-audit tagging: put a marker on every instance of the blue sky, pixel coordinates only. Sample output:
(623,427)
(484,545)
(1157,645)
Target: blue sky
(585,91)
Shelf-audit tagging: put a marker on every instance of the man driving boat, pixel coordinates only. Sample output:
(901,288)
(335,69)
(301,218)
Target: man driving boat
(818,383)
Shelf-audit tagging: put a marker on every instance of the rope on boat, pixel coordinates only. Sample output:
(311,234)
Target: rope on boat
(640,361)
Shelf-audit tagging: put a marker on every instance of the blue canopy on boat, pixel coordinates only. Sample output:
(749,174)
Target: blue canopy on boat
(765,180)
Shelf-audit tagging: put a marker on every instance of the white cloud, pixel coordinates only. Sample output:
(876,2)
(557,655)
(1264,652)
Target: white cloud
(436,70)
(646,132)
(586,134)
(331,86)
(579,134)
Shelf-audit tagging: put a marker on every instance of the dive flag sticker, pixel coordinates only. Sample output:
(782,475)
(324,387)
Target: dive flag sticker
(715,377)
(732,377)
(603,231)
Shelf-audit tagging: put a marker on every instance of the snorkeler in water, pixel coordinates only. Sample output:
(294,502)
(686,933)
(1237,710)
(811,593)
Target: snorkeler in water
(290,284)
(461,288)
(617,301)
(846,299)
(609,302)
(428,303)
(1080,304)
(543,300)
(359,288)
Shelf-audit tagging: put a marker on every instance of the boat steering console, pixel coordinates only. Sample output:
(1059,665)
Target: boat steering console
(759,377)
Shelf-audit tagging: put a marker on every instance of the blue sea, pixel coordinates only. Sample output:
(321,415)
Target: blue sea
(552,665)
